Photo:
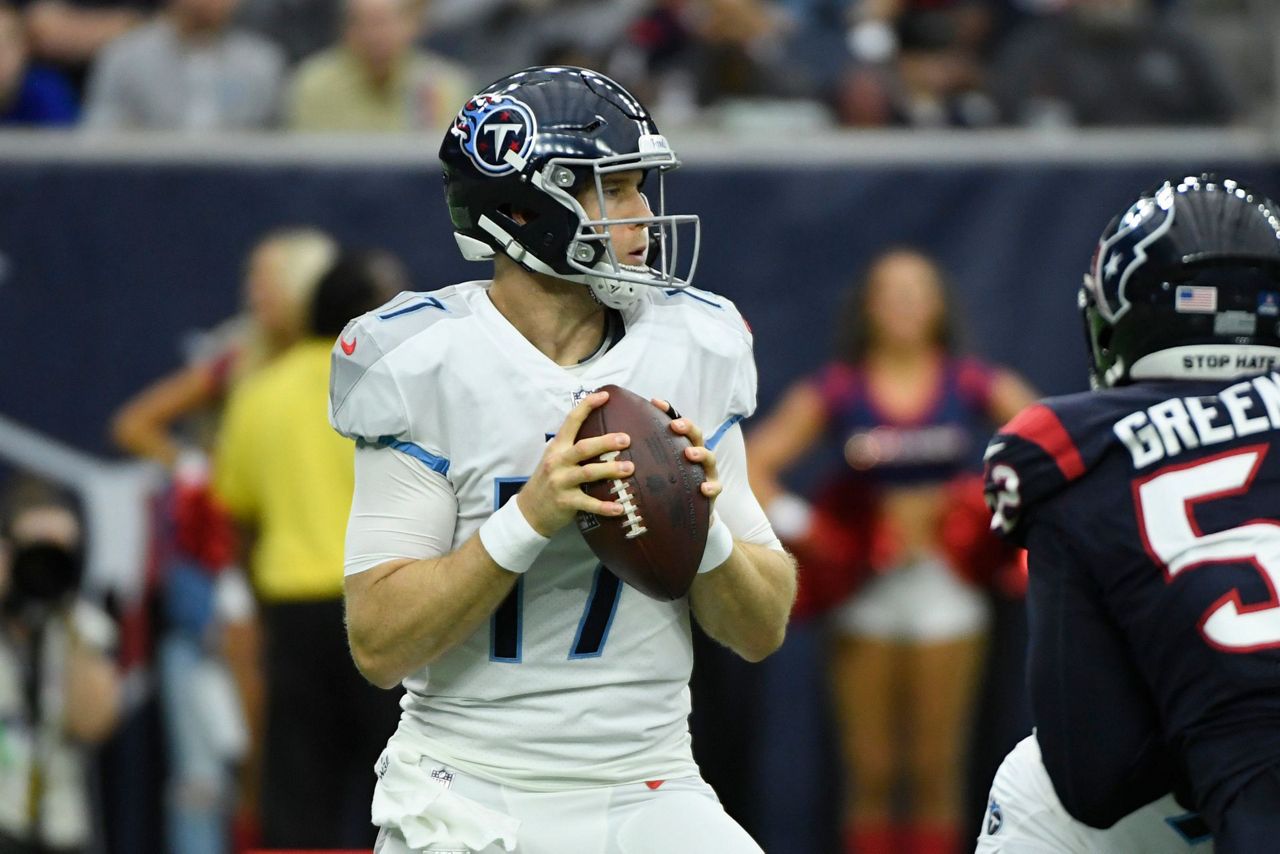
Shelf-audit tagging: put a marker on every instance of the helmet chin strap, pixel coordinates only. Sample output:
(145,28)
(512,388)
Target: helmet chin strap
(1114,373)
(614,294)
(472,249)
(608,291)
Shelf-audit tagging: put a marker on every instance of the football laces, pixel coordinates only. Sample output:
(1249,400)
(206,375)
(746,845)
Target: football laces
(632,520)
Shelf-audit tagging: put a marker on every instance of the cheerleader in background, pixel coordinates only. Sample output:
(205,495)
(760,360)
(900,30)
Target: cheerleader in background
(209,655)
(893,545)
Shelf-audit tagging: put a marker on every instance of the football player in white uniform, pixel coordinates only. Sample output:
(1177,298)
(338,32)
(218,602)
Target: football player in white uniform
(547,702)
(1025,816)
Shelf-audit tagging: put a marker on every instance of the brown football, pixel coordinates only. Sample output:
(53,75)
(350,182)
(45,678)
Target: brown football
(656,546)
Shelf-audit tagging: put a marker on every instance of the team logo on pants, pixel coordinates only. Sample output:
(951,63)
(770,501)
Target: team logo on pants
(995,818)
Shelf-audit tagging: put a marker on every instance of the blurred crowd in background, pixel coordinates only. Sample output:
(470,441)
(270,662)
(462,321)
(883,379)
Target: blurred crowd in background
(243,630)
(233,774)
(788,65)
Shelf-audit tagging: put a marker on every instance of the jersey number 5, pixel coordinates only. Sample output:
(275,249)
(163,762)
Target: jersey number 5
(506,626)
(1166,503)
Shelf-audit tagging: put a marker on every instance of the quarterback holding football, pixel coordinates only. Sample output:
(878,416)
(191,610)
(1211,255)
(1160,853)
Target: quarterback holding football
(547,701)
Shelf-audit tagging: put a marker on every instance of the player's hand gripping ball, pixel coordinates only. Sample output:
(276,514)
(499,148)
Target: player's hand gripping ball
(656,544)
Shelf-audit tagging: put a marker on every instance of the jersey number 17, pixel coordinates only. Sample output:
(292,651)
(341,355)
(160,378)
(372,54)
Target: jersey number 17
(507,623)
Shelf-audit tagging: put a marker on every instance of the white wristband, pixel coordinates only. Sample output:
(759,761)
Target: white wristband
(510,540)
(719,545)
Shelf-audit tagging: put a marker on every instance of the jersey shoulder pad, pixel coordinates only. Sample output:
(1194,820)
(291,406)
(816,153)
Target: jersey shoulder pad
(713,329)
(1044,448)
(705,311)
(741,352)
(364,394)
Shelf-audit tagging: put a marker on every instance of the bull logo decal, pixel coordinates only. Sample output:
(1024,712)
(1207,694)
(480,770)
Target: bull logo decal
(1118,257)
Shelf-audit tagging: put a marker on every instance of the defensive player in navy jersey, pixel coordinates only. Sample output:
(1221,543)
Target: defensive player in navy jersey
(1151,513)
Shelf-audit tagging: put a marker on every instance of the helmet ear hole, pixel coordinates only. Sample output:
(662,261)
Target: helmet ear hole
(520,216)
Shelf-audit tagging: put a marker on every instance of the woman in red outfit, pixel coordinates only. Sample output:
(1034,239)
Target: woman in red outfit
(910,417)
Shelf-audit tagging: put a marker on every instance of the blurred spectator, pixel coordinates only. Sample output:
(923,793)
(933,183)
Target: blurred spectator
(917,64)
(494,37)
(280,277)
(1108,63)
(29,95)
(878,28)
(59,688)
(686,55)
(187,70)
(901,525)
(210,631)
(298,27)
(288,478)
(570,54)
(375,80)
(68,34)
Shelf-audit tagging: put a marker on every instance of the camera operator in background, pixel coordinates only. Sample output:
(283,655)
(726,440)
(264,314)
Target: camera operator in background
(59,688)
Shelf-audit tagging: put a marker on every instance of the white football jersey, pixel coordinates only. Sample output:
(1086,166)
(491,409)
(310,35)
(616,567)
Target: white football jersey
(577,679)
(1025,816)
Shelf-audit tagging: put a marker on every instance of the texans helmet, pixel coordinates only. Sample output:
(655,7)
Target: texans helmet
(1185,284)
(520,153)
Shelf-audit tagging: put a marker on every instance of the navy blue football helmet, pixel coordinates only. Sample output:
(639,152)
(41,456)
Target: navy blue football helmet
(529,144)
(1185,284)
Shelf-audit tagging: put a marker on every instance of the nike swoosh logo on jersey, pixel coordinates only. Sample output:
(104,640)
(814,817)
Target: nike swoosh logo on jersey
(348,348)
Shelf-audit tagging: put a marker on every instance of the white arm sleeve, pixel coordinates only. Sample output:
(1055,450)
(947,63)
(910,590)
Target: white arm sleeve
(400,509)
(737,505)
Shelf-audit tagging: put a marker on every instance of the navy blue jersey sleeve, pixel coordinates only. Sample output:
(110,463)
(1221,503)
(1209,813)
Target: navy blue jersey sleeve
(1097,724)
(1043,450)
(1029,459)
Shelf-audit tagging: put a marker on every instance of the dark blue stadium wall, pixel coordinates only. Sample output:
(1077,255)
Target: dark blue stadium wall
(105,268)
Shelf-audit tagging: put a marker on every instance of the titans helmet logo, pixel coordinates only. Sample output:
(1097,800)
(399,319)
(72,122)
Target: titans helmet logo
(489,126)
(1122,254)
